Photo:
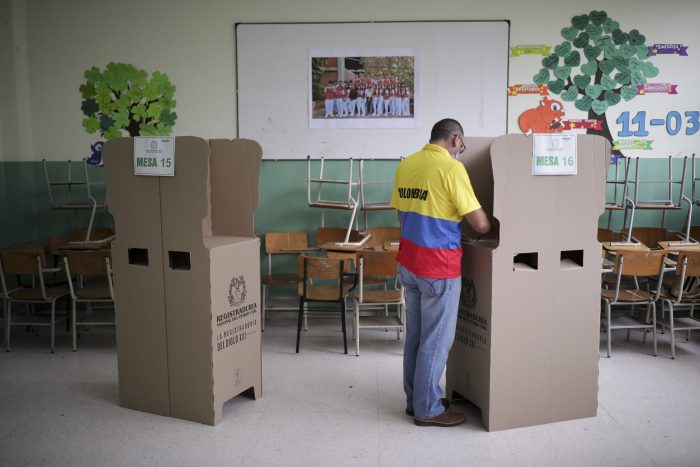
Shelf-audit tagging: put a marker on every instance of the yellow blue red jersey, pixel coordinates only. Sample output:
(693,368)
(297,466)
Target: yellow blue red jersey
(432,193)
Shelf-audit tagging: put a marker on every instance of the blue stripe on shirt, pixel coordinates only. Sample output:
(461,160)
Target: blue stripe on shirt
(430,232)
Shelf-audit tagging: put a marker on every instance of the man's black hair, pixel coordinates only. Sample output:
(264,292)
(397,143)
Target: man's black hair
(444,129)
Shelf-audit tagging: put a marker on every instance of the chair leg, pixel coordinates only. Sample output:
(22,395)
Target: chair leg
(53,324)
(342,317)
(7,325)
(301,312)
(609,320)
(672,330)
(356,327)
(306,313)
(75,326)
(653,329)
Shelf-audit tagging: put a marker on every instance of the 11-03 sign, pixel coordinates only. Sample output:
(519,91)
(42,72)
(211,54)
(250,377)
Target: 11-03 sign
(554,154)
(154,155)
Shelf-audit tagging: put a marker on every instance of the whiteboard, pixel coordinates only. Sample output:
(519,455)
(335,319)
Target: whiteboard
(461,72)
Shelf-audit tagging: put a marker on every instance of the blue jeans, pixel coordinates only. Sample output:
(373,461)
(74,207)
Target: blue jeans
(431,319)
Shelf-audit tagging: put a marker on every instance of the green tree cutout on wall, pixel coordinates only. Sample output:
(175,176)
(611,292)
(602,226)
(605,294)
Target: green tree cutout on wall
(123,98)
(616,65)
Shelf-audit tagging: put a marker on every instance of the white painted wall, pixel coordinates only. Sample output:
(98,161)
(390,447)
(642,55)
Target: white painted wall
(193,42)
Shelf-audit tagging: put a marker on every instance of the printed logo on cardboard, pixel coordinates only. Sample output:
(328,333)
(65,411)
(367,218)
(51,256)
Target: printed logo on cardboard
(237,291)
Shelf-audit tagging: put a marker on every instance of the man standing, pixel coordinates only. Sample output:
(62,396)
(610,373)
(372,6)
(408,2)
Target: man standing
(433,194)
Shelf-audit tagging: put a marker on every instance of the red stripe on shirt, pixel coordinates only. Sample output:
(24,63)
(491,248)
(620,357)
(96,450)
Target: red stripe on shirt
(435,263)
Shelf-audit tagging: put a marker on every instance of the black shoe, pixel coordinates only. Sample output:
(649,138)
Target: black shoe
(445,404)
(445,419)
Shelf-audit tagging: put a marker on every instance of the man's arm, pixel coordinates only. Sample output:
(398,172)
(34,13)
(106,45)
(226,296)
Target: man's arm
(479,221)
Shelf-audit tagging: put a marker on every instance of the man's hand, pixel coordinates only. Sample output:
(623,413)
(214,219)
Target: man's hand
(479,221)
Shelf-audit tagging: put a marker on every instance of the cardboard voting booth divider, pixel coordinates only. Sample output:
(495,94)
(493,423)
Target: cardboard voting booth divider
(187,277)
(527,343)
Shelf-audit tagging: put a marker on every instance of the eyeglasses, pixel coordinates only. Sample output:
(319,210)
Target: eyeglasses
(462,146)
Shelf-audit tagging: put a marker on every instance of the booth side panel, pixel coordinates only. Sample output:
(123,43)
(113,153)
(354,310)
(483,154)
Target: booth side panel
(137,259)
(185,212)
(235,180)
(236,336)
(468,365)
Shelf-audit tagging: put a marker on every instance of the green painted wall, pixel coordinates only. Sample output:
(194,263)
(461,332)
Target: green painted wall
(26,216)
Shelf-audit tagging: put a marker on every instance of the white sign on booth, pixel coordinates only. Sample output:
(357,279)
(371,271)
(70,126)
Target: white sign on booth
(154,155)
(554,154)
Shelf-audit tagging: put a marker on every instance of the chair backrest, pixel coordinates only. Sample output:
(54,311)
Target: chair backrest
(315,267)
(692,264)
(84,263)
(88,262)
(284,242)
(378,263)
(335,234)
(650,236)
(349,256)
(640,263)
(383,234)
(22,260)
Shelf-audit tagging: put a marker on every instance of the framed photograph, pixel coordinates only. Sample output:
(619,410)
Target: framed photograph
(363,88)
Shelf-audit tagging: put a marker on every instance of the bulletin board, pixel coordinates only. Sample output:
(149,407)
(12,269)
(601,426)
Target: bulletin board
(461,72)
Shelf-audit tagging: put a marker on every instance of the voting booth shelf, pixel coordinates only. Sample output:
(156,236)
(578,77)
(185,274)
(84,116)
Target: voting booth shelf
(186,272)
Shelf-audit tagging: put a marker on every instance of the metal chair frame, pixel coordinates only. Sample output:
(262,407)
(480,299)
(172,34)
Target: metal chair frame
(336,271)
(670,203)
(88,263)
(377,264)
(688,268)
(29,262)
(88,202)
(634,263)
(375,205)
(280,243)
(350,203)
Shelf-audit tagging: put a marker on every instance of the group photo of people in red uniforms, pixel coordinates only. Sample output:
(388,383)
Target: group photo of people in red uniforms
(362,87)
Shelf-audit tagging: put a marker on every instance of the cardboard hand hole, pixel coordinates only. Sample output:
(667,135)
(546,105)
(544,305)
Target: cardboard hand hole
(571,259)
(179,260)
(138,256)
(525,262)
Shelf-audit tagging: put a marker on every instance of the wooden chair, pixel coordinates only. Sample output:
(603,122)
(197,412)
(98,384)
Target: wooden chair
(327,280)
(684,293)
(93,284)
(29,263)
(339,199)
(280,243)
(377,264)
(633,264)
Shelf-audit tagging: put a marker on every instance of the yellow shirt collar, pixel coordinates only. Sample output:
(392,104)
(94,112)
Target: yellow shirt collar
(435,148)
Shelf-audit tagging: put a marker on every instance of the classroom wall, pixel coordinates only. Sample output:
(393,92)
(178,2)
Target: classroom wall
(45,46)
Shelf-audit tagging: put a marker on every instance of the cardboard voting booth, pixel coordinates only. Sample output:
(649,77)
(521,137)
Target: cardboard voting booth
(526,347)
(187,275)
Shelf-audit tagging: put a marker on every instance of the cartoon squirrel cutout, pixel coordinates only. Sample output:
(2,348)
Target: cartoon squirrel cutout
(545,118)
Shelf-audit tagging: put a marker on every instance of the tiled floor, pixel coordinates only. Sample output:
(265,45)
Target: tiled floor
(323,408)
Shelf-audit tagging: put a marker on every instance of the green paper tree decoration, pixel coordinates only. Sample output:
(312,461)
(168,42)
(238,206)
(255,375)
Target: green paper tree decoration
(123,99)
(597,66)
